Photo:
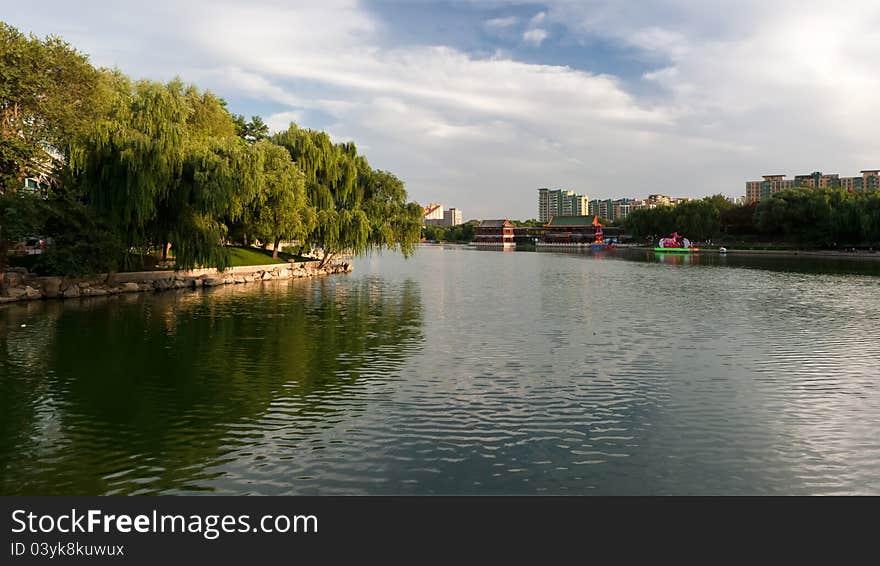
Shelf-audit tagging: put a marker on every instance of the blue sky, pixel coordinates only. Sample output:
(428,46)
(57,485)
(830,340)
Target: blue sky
(476,104)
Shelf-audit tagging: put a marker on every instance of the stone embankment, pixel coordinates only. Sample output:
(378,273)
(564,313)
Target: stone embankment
(19,285)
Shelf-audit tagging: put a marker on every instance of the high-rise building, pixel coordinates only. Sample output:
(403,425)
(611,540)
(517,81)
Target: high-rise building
(870,179)
(611,209)
(772,184)
(543,204)
(435,215)
(817,180)
(560,202)
(452,217)
(433,211)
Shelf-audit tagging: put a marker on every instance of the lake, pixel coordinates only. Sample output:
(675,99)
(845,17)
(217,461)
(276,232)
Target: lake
(457,371)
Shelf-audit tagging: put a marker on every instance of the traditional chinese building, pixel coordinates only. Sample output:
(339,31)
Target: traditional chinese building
(575,230)
(494,234)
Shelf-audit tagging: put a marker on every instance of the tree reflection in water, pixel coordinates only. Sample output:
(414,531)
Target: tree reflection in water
(136,393)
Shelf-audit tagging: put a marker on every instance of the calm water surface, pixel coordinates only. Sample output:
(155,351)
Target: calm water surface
(457,371)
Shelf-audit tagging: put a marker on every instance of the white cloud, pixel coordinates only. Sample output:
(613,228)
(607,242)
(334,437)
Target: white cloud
(280,121)
(535,36)
(502,22)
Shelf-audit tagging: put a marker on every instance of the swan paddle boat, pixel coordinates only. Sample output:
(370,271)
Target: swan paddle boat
(675,244)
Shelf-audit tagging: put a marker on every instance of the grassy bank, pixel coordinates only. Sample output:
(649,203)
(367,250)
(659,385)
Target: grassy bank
(240,256)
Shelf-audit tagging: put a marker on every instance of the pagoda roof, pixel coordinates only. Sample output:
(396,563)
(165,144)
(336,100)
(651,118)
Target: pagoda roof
(558,221)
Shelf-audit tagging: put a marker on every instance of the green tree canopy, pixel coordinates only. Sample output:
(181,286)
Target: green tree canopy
(280,209)
(165,166)
(48,97)
(357,209)
(253,130)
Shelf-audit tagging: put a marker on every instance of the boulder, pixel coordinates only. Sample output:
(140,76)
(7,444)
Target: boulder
(15,293)
(33,293)
(130,287)
(212,281)
(52,287)
(70,292)
(13,278)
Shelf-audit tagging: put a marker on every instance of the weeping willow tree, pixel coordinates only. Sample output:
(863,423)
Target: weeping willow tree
(149,166)
(220,176)
(395,222)
(357,209)
(164,166)
(280,208)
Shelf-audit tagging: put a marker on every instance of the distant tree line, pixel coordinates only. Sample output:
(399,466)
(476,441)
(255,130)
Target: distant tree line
(801,216)
(134,167)
(461,234)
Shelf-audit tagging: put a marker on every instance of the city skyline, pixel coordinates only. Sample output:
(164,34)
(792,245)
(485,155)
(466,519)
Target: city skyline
(478,103)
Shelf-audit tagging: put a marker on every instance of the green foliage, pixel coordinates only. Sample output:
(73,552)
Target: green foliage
(82,243)
(653,223)
(19,214)
(280,209)
(821,218)
(48,96)
(697,219)
(357,208)
(739,220)
(394,221)
(164,166)
(251,131)
(461,234)
(801,216)
(138,165)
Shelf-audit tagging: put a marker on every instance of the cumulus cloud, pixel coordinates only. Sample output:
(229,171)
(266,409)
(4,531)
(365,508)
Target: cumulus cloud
(535,36)
(729,94)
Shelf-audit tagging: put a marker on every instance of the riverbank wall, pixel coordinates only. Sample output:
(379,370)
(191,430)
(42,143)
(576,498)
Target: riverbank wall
(18,284)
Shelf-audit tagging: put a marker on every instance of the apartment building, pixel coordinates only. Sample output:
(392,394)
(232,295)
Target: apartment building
(772,184)
(452,217)
(561,202)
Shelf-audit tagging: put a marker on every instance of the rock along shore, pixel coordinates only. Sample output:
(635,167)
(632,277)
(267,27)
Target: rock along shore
(17,284)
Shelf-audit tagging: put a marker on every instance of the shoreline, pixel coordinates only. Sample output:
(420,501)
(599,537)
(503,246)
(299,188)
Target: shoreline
(17,284)
(829,254)
(860,255)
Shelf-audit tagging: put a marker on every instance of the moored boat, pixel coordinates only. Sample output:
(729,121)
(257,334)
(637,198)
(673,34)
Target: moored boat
(675,244)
